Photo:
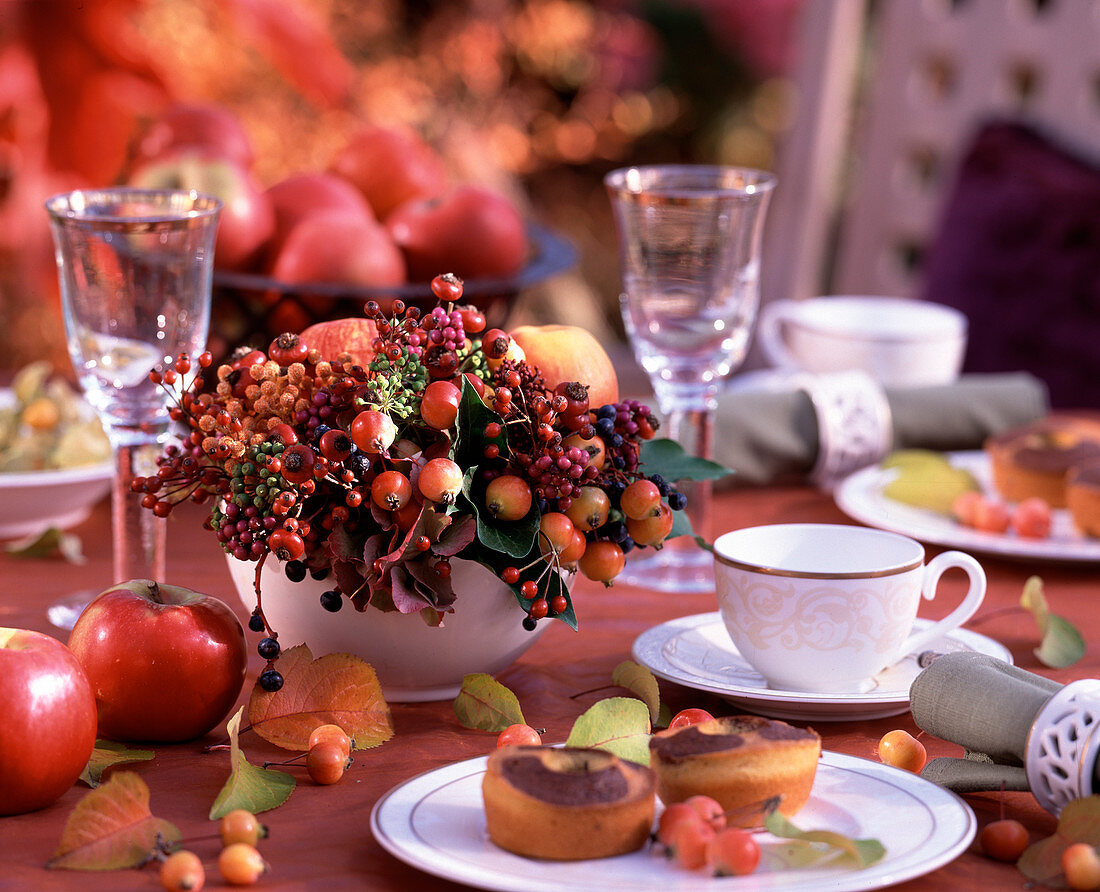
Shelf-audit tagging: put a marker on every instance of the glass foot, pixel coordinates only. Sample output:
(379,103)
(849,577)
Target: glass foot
(64,612)
(672,569)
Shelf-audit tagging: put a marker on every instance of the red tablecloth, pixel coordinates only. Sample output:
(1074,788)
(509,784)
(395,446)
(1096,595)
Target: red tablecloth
(321,837)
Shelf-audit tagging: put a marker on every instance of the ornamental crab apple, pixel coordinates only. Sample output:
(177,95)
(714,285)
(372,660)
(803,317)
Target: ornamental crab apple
(165,663)
(49,720)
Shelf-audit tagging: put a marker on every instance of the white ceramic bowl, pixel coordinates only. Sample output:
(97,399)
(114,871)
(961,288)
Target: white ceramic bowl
(32,501)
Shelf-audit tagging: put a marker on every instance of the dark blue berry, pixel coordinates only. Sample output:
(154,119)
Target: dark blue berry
(529,623)
(605,427)
(615,530)
(318,573)
(618,461)
(614,491)
(661,484)
(615,441)
(331,600)
(256,623)
(295,572)
(268,648)
(271,680)
(607,411)
(677,501)
(321,430)
(544,506)
(627,545)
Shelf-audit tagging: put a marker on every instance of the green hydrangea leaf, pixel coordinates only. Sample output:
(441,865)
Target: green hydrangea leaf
(1078,822)
(249,786)
(830,844)
(484,704)
(107,754)
(49,543)
(619,725)
(669,459)
(1061,643)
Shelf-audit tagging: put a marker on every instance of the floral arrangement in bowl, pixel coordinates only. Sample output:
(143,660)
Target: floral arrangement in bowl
(373,451)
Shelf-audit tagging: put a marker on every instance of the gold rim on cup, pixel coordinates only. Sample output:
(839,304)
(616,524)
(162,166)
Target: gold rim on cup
(804,574)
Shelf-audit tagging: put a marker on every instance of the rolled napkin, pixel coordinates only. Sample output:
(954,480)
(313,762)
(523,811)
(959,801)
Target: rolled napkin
(772,433)
(1034,734)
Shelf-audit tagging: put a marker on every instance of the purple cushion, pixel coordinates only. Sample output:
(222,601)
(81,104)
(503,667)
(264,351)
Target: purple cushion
(1018,251)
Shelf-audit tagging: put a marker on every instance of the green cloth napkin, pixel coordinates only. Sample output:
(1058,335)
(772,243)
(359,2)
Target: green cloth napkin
(770,435)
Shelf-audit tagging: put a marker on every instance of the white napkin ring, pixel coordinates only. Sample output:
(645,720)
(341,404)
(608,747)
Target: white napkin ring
(853,423)
(1062,746)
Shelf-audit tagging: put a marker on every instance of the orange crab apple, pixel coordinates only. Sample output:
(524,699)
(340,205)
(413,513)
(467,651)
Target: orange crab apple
(570,353)
(165,663)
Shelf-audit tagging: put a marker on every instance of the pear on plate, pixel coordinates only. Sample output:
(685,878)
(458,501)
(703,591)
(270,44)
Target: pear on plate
(929,481)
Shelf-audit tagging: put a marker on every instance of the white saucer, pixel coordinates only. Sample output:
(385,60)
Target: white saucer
(696,651)
(436,823)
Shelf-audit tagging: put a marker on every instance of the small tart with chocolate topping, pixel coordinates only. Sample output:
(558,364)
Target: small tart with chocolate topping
(742,761)
(567,804)
(1034,461)
(1083,497)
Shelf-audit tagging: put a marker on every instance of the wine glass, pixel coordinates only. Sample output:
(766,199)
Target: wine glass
(135,270)
(689,247)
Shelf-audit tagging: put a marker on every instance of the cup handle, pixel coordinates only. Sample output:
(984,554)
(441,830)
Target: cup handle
(933,570)
(769,333)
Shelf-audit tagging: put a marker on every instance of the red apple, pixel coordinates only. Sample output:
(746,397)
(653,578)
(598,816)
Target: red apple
(166,663)
(212,129)
(247,221)
(390,166)
(342,247)
(471,231)
(48,724)
(300,195)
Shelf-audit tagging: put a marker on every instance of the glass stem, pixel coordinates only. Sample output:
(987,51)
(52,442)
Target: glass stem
(139,535)
(693,429)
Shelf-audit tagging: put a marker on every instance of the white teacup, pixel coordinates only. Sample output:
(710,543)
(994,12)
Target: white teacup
(899,342)
(824,607)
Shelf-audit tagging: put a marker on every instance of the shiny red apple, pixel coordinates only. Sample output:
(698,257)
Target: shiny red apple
(247,221)
(299,195)
(165,663)
(390,166)
(472,231)
(208,127)
(47,720)
(342,247)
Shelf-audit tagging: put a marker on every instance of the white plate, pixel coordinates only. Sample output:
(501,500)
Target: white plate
(32,501)
(860,497)
(436,822)
(696,652)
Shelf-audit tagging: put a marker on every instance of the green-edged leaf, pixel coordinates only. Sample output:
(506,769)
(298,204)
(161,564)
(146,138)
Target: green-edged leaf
(640,682)
(249,787)
(486,705)
(669,459)
(1062,644)
(111,828)
(49,543)
(107,754)
(861,852)
(1078,822)
(619,725)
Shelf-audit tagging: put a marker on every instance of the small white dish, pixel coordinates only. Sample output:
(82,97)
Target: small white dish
(696,652)
(33,501)
(860,497)
(436,823)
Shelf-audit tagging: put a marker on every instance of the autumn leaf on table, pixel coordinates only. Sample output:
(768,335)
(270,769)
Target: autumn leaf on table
(112,827)
(1061,644)
(337,689)
(619,725)
(640,682)
(249,787)
(814,846)
(484,704)
(1078,822)
(107,754)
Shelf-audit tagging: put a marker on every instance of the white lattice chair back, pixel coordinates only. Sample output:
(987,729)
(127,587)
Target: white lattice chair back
(889,96)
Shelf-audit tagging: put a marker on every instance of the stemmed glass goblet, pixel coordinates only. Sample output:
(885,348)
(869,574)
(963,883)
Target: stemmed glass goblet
(689,246)
(135,271)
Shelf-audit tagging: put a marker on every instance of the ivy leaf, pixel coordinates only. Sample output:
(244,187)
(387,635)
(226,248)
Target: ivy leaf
(669,459)
(1061,644)
(107,754)
(484,704)
(641,682)
(1079,822)
(249,787)
(863,852)
(338,689)
(49,543)
(111,828)
(619,725)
